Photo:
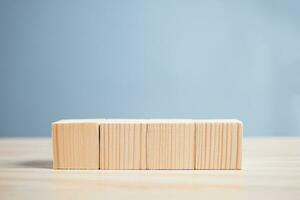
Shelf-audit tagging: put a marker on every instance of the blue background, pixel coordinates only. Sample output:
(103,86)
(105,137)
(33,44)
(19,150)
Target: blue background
(149,59)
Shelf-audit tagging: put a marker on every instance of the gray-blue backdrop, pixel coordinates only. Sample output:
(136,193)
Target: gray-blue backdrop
(149,59)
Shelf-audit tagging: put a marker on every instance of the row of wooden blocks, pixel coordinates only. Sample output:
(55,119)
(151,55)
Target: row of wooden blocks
(147,144)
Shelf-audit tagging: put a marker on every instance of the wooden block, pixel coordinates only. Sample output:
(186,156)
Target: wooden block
(170,144)
(147,144)
(218,144)
(123,144)
(75,144)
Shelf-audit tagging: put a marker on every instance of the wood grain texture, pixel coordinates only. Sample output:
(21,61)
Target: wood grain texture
(75,145)
(218,145)
(123,145)
(170,145)
(147,144)
(270,171)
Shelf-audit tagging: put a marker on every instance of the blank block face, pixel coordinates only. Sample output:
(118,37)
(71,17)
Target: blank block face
(170,145)
(147,144)
(75,145)
(218,145)
(123,146)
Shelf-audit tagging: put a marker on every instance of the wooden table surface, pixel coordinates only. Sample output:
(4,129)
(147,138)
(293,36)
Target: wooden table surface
(271,169)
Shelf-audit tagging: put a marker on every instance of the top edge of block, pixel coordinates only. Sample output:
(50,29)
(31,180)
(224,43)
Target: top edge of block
(100,121)
(76,121)
(218,121)
(170,121)
(146,121)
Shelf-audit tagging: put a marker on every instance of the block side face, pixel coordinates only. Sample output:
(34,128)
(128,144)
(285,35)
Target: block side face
(88,146)
(170,146)
(78,146)
(55,149)
(218,145)
(199,146)
(101,142)
(239,146)
(122,146)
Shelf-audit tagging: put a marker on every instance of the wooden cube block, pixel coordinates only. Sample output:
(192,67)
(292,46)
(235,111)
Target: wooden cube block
(123,144)
(170,144)
(75,144)
(218,144)
(147,144)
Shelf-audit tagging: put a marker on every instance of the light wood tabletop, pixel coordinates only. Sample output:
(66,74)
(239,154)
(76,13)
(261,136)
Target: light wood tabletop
(270,169)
